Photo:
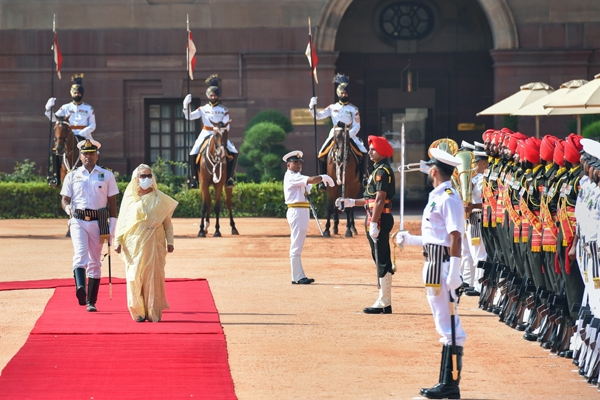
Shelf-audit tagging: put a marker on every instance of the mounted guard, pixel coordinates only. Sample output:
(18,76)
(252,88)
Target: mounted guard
(345,115)
(214,115)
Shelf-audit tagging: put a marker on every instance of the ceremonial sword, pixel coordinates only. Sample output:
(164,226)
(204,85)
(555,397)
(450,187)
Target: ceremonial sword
(452,323)
(314,212)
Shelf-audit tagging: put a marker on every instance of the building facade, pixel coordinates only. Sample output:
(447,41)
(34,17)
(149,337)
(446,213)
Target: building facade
(462,55)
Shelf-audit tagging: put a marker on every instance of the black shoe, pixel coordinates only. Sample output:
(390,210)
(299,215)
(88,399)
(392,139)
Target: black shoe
(193,183)
(442,391)
(303,281)
(81,295)
(472,292)
(532,337)
(378,310)
(91,307)
(230,183)
(140,319)
(521,327)
(425,390)
(466,286)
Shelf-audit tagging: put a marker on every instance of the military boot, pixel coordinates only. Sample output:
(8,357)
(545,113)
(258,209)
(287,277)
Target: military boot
(79,275)
(448,387)
(92,295)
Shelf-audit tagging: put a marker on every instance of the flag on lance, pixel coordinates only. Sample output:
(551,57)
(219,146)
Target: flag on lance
(57,55)
(191,55)
(311,54)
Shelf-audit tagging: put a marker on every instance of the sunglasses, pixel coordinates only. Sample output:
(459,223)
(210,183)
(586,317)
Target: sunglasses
(144,176)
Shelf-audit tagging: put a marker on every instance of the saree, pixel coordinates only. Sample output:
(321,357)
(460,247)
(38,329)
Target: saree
(144,229)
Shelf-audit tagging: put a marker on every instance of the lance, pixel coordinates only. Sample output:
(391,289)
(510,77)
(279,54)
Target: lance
(109,273)
(52,173)
(453,324)
(312,76)
(187,130)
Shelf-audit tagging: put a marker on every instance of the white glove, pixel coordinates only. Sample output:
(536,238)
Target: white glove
(453,280)
(50,103)
(373,230)
(112,226)
(403,237)
(187,101)
(313,102)
(348,203)
(327,181)
(68,210)
(308,188)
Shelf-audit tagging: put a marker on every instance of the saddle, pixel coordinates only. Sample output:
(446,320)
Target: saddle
(354,150)
(203,147)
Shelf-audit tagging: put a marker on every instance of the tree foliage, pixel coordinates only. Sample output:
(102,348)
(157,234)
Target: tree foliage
(262,151)
(592,131)
(273,116)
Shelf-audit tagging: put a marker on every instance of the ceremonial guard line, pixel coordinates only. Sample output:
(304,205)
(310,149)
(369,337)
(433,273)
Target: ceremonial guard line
(535,209)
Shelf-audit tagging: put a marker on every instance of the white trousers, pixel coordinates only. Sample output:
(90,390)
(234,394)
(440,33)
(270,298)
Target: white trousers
(85,236)
(298,219)
(355,139)
(478,253)
(203,135)
(440,308)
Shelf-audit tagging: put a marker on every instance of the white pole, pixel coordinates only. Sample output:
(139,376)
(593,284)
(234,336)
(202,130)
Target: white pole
(402,163)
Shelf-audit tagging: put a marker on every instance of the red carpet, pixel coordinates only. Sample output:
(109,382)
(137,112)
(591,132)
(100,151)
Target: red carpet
(73,354)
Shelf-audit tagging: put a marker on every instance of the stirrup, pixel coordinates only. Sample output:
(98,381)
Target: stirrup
(192,183)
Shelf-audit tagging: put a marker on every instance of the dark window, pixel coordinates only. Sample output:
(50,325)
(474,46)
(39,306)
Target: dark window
(406,20)
(166,136)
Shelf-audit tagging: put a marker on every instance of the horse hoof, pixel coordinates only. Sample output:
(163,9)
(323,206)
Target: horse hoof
(326,234)
(335,231)
(234,231)
(353,229)
(201,234)
(217,234)
(348,234)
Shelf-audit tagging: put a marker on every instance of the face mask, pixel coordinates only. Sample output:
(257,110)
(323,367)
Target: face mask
(145,183)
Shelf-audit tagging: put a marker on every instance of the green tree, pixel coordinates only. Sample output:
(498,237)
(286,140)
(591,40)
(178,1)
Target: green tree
(23,172)
(586,120)
(592,131)
(262,151)
(273,116)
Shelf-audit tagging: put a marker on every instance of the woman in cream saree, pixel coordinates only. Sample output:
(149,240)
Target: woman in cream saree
(143,236)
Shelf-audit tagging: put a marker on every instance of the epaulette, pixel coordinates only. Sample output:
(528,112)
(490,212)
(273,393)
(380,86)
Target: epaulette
(449,191)
(71,170)
(100,166)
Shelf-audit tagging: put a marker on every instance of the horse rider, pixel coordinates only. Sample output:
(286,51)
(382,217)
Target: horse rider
(214,115)
(81,115)
(343,114)
(377,200)
(442,229)
(89,197)
(295,189)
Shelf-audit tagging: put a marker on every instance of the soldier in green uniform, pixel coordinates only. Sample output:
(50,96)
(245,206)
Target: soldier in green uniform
(377,200)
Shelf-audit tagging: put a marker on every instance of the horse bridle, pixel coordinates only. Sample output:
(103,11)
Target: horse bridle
(60,144)
(340,157)
(214,161)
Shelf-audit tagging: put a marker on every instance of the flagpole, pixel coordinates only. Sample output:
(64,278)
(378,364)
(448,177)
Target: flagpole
(312,75)
(51,171)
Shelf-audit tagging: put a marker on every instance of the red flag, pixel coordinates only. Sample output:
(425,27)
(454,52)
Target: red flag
(191,55)
(313,60)
(57,55)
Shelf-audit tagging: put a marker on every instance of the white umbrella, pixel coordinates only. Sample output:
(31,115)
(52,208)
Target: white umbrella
(528,94)
(539,107)
(586,96)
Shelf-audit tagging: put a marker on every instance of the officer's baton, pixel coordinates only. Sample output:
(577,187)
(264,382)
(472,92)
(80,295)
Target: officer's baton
(314,212)
(452,323)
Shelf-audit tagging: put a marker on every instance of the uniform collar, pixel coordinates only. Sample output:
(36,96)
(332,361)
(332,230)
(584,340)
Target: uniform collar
(343,103)
(442,187)
(379,163)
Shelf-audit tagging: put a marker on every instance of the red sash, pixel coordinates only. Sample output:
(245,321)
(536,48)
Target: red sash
(489,201)
(550,231)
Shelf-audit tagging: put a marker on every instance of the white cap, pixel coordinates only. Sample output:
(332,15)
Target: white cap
(591,147)
(440,156)
(295,155)
(478,144)
(88,145)
(467,145)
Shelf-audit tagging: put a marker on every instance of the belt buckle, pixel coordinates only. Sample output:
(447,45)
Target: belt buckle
(87,218)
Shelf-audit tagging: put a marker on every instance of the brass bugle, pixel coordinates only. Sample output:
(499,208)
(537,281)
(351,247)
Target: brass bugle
(412,167)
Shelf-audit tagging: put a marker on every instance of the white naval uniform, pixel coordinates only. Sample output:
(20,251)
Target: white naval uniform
(88,191)
(348,114)
(81,118)
(294,188)
(477,252)
(590,218)
(211,115)
(443,215)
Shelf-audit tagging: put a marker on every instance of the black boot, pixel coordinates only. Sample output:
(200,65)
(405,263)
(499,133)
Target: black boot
(364,172)
(193,176)
(79,275)
(448,387)
(92,296)
(231,165)
(445,352)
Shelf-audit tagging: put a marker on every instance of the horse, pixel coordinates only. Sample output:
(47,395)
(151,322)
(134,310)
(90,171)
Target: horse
(212,163)
(65,147)
(343,168)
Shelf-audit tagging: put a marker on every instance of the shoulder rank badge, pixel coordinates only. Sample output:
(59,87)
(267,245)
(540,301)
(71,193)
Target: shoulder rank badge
(449,191)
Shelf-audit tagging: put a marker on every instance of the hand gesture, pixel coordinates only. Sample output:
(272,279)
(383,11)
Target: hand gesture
(341,203)
(187,101)
(327,180)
